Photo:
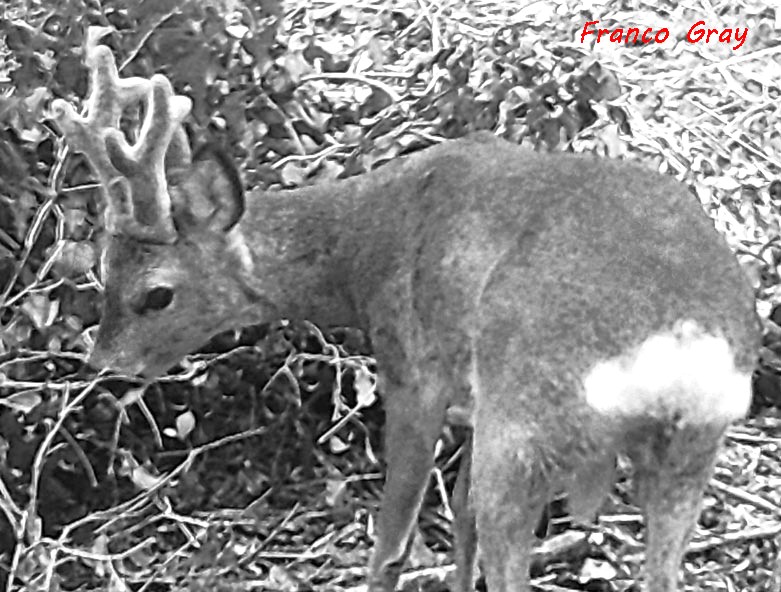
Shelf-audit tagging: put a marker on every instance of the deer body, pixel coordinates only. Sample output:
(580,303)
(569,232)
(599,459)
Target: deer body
(582,307)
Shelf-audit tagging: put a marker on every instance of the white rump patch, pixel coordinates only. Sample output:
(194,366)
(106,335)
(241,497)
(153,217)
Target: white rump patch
(685,373)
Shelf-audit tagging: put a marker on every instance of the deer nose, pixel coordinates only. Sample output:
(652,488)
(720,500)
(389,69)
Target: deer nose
(103,359)
(98,359)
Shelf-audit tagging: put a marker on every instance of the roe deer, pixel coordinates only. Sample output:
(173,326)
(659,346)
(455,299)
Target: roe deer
(580,307)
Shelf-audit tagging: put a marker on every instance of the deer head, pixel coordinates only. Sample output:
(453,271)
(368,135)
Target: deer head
(169,265)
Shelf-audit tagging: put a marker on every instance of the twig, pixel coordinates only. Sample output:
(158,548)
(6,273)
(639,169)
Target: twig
(81,455)
(286,123)
(145,37)
(338,76)
(738,59)
(756,150)
(91,555)
(246,559)
(30,511)
(747,497)
(30,240)
(760,532)
(317,157)
(10,509)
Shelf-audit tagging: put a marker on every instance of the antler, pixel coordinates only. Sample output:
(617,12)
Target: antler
(132,177)
(143,164)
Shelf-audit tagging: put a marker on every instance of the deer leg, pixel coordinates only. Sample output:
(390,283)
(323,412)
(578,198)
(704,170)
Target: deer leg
(413,424)
(508,508)
(464,523)
(670,479)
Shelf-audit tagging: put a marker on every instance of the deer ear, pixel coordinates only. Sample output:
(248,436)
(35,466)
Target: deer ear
(208,194)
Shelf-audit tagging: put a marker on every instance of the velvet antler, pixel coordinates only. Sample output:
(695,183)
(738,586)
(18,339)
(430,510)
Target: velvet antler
(132,177)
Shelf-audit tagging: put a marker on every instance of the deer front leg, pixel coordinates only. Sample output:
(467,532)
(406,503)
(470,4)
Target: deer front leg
(414,419)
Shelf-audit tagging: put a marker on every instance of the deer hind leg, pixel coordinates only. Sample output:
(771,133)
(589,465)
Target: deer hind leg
(464,523)
(414,420)
(672,469)
(509,505)
(671,400)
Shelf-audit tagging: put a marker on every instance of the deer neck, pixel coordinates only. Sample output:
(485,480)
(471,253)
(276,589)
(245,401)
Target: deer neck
(292,256)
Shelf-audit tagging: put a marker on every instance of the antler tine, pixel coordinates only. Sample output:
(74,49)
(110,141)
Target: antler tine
(127,203)
(113,94)
(109,95)
(143,164)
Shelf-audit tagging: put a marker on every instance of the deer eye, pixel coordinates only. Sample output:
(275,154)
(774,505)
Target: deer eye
(155,299)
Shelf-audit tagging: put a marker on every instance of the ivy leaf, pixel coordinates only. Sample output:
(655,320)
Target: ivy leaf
(40,310)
